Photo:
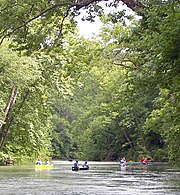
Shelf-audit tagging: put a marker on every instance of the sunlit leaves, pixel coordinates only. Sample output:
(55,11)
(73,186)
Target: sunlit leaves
(15,69)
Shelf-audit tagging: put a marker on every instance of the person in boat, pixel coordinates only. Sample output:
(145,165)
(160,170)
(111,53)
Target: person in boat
(123,161)
(75,166)
(70,159)
(47,162)
(85,165)
(38,162)
(143,160)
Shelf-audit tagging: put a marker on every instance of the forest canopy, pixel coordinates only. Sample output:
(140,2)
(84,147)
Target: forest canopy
(115,95)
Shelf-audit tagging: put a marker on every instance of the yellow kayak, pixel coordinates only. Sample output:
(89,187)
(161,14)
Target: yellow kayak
(43,166)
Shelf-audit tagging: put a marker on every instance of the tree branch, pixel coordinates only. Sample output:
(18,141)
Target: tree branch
(128,139)
(125,66)
(65,16)
(132,4)
(37,16)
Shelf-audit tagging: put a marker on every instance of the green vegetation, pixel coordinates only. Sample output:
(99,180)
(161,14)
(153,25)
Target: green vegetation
(62,95)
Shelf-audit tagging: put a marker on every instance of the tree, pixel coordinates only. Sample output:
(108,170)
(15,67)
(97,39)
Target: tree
(159,35)
(19,78)
(135,104)
(117,91)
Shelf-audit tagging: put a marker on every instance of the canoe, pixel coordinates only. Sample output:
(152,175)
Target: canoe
(84,168)
(43,166)
(74,169)
(143,163)
(81,168)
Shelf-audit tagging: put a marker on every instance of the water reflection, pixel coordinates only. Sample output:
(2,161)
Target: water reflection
(106,178)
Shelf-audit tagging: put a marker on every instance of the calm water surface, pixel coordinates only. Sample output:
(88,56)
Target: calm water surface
(103,178)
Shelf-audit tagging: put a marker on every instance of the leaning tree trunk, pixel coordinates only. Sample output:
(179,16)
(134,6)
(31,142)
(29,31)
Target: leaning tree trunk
(7,118)
(128,139)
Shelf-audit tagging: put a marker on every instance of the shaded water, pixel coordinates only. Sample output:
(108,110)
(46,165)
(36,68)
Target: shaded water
(103,178)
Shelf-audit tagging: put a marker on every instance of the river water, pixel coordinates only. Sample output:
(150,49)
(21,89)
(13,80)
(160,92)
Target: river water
(103,178)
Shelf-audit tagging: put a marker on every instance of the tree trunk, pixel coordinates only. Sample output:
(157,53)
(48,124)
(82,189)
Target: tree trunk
(128,139)
(7,118)
(5,134)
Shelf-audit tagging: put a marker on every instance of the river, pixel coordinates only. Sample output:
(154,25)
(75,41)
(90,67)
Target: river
(103,178)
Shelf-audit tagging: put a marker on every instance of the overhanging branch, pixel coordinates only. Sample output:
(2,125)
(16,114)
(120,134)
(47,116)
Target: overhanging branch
(132,4)
(35,17)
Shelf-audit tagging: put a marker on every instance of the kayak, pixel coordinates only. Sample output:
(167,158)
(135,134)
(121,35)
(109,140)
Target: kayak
(43,166)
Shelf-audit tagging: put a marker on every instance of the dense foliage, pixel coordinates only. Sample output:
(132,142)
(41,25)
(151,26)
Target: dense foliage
(63,95)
